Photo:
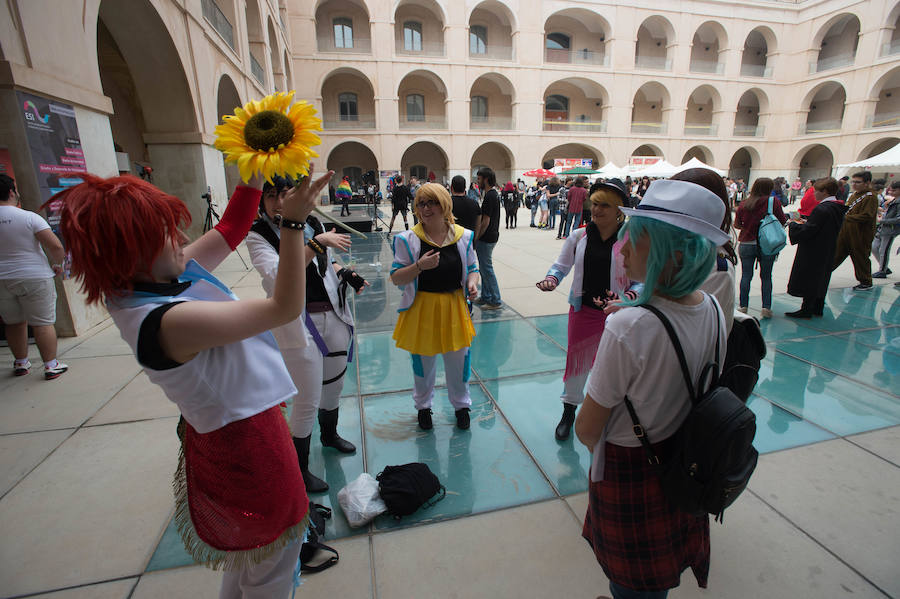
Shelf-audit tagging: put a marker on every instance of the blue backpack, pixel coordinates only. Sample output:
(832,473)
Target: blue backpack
(771,237)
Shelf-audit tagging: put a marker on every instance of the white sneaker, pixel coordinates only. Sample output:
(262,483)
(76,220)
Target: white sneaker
(21,369)
(766,313)
(742,309)
(52,373)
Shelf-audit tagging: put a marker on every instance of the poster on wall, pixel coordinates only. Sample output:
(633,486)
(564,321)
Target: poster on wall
(643,161)
(55,146)
(567,163)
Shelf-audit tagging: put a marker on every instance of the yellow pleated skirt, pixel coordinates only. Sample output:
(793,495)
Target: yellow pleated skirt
(436,323)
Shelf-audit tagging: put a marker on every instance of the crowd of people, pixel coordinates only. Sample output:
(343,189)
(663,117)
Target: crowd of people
(230,365)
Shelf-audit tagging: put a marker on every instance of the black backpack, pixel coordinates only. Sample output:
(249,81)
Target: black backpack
(406,488)
(714,454)
(746,349)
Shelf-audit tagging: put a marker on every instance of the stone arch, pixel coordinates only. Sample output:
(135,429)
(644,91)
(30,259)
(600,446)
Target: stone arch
(825,104)
(347,80)
(710,41)
(435,6)
(432,18)
(742,163)
(837,41)
(357,11)
(751,112)
(649,109)
(648,150)
(227,98)
(701,153)
(499,95)
(585,31)
(431,92)
(575,150)
(495,155)
(703,106)
(496,6)
(652,40)
(586,106)
(426,154)
(288,78)
(877,147)
(886,94)
(759,45)
(353,159)
(813,161)
(274,57)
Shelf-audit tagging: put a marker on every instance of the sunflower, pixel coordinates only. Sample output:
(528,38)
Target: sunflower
(265,137)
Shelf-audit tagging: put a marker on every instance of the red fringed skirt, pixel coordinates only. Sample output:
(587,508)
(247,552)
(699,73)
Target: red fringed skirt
(640,541)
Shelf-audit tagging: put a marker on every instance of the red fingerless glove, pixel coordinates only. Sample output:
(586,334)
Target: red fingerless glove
(239,215)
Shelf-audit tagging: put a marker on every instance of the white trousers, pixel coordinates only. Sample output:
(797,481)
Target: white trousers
(456,367)
(272,578)
(319,379)
(573,389)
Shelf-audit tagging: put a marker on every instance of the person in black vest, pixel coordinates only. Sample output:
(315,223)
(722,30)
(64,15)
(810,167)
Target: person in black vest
(317,346)
(466,211)
(816,239)
(400,198)
(486,238)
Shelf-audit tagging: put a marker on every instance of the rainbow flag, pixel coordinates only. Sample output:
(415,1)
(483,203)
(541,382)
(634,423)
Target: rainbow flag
(343,190)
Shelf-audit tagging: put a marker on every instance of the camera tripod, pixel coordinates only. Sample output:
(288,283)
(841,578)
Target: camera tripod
(212,214)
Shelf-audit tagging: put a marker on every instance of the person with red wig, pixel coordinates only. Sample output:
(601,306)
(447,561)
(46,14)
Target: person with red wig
(240,500)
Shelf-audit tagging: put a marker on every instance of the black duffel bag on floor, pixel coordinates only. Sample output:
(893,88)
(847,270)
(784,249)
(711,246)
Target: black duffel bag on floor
(406,488)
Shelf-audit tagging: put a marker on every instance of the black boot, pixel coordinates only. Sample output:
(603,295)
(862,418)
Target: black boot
(805,311)
(330,438)
(565,423)
(313,483)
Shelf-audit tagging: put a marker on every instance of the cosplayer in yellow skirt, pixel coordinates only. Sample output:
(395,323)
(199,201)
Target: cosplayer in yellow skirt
(436,269)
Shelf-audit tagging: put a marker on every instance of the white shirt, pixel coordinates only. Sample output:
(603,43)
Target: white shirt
(21,256)
(636,358)
(720,284)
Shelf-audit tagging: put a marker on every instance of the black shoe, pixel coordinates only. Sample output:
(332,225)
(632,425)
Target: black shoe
(863,287)
(799,314)
(330,438)
(462,418)
(425,419)
(879,275)
(313,483)
(565,423)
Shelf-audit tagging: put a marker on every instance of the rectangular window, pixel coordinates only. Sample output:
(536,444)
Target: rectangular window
(415,107)
(479,109)
(343,33)
(477,39)
(412,36)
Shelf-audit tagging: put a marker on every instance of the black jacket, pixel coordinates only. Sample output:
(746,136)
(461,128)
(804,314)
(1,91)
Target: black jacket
(816,240)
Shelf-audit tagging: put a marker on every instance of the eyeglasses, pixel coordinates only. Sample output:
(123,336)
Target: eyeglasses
(427,204)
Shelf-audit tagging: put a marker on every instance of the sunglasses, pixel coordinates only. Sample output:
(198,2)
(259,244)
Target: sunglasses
(428,204)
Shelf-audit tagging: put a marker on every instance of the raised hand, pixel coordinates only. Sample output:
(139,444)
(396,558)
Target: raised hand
(338,241)
(300,200)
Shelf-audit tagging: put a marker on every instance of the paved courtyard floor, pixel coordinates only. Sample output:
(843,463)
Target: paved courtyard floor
(86,461)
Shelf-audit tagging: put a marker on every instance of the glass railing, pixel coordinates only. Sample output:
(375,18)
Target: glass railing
(707,66)
(819,127)
(587,57)
(658,63)
(834,62)
(575,126)
(884,119)
(360,46)
(423,122)
(892,47)
(362,121)
(425,49)
(756,70)
(216,18)
(698,129)
(749,130)
(492,52)
(652,128)
(502,123)
(256,69)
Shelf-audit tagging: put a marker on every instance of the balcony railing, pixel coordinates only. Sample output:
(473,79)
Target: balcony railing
(575,126)
(834,62)
(363,121)
(586,57)
(652,128)
(501,123)
(256,69)
(707,66)
(360,46)
(657,63)
(427,49)
(493,52)
(423,122)
(216,18)
(749,130)
(884,119)
(756,70)
(696,129)
(892,47)
(819,127)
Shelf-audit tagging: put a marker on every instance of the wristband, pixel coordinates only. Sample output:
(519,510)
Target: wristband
(292,224)
(239,215)
(316,246)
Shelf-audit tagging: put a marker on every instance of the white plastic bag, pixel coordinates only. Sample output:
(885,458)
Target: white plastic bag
(360,500)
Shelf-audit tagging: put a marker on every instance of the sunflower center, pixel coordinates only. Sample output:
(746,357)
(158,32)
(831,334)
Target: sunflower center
(268,130)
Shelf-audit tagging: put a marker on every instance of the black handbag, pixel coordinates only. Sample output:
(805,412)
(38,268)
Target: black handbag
(310,561)
(406,488)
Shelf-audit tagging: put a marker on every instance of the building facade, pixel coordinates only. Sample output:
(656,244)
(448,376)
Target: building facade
(440,87)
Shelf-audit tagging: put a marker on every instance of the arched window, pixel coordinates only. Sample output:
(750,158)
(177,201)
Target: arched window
(557,41)
(479,109)
(419,171)
(477,39)
(415,107)
(343,32)
(349,106)
(412,36)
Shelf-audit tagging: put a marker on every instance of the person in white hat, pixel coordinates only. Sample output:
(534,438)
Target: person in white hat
(670,245)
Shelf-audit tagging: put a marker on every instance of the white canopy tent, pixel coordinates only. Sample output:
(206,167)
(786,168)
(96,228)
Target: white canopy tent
(610,170)
(659,169)
(883,161)
(697,163)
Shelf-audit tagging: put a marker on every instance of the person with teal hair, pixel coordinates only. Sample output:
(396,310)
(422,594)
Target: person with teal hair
(670,246)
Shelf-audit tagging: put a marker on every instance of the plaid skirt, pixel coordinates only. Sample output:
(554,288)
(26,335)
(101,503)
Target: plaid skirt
(640,541)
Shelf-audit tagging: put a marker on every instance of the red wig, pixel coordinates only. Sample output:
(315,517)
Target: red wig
(115,228)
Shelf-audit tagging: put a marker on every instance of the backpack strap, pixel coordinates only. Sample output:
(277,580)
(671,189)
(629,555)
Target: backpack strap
(771,201)
(678,350)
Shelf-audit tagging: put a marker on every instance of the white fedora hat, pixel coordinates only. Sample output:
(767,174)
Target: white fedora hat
(685,205)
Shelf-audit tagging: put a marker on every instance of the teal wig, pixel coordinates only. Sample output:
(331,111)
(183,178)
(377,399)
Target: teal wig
(678,262)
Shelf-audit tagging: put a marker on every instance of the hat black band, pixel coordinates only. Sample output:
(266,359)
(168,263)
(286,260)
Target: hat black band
(658,209)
